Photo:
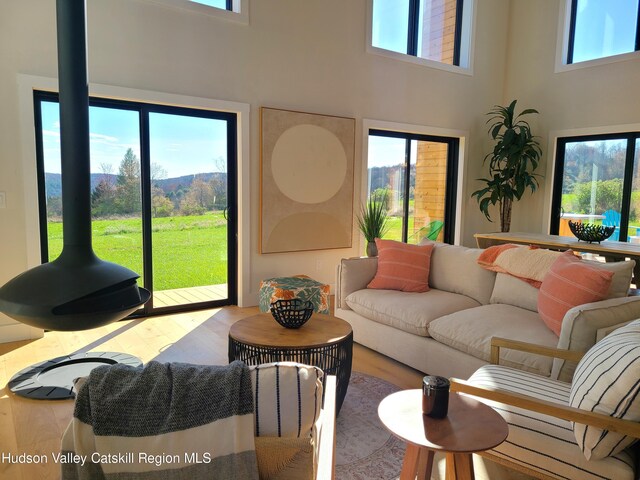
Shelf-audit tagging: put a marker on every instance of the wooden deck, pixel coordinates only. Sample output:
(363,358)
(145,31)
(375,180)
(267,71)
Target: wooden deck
(182,296)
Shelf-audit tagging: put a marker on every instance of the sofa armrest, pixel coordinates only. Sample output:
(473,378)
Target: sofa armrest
(498,342)
(581,325)
(327,433)
(353,274)
(566,412)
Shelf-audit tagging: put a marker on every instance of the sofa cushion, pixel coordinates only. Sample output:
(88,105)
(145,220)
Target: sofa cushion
(570,282)
(622,272)
(407,311)
(402,266)
(540,442)
(470,331)
(455,269)
(513,291)
(607,381)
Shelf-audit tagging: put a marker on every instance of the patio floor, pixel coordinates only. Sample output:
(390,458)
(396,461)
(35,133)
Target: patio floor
(182,296)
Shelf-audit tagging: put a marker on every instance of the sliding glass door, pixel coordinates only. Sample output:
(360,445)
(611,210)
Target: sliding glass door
(415,177)
(163,197)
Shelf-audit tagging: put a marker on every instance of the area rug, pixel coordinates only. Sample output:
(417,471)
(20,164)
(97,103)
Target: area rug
(365,450)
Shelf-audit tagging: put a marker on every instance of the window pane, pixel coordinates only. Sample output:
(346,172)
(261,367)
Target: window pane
(604,28)
(437,30)
(390,27)
(427,190)
(387,177)
(592,183)
(189,200)
(213,3)
(115,184)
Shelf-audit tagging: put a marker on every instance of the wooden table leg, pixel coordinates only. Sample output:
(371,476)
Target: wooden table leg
(410,462)
(459,466)
(425,464)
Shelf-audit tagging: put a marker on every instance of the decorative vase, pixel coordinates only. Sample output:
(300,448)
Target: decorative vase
(372,250)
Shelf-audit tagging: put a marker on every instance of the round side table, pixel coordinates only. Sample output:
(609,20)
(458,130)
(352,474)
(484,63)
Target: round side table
(324,341)
(470,426)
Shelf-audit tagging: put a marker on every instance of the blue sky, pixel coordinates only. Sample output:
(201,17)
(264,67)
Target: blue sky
(212,3)
(604,28)
(180,145)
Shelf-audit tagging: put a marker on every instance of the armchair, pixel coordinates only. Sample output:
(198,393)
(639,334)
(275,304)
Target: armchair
(543,424)
(182,420)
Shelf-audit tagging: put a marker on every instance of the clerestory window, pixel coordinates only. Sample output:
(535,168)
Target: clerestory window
(601,29)
(231,10)
(223,4)
(433,30)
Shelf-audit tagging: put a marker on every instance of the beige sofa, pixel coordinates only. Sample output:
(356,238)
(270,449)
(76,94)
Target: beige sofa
(447,331)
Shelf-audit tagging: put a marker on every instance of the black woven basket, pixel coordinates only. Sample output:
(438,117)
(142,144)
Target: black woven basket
(291,313)
(591,232)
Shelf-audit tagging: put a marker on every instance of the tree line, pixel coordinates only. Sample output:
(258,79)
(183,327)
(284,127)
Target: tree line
(120,194)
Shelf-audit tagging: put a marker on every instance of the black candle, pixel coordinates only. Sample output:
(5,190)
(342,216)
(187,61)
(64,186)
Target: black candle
(435,396)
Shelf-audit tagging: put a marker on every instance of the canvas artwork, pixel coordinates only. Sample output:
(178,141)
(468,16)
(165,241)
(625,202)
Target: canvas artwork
(306,181)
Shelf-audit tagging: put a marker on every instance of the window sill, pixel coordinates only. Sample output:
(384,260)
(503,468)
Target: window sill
(240,16)
(623,57)
(420,61)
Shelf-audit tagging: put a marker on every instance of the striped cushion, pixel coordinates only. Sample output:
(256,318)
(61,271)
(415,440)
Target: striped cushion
(568,283)
(543,443)
(287,399)
(607,380)
(402,266)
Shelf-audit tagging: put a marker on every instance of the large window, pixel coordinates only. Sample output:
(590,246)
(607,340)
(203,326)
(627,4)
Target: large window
(600,29)
(415,176)
(428,29)
(597,180)
(163,196)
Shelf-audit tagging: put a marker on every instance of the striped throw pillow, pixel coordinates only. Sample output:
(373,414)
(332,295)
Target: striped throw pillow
(402,266)
(607,380)
(287,398)
(568,283)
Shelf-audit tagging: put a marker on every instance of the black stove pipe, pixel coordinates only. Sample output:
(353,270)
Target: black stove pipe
(77,290)
(74,123)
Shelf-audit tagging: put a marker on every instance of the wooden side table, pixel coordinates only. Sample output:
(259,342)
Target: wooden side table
(324,341)
(470,426)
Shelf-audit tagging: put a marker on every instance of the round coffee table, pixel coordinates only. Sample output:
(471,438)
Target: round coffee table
(470,426)
(324,341)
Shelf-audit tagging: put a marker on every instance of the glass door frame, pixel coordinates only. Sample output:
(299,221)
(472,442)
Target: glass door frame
(627,184)
(451,181)
(144,110)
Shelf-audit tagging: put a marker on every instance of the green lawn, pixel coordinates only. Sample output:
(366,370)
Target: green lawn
(187,251)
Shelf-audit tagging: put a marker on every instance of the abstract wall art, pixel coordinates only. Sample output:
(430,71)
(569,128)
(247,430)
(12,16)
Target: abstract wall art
(306,196)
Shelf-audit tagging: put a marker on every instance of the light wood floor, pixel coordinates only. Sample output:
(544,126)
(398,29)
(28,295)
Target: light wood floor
(36,426)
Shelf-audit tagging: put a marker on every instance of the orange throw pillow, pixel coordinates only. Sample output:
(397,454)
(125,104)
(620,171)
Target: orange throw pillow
(569,283)
(402,266)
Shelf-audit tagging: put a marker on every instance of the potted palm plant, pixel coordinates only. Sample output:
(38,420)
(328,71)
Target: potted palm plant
(372,222)
(512,162)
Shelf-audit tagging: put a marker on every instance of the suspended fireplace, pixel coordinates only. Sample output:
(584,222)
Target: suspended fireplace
(78,290)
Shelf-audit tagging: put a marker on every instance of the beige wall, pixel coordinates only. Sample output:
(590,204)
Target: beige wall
(302,55)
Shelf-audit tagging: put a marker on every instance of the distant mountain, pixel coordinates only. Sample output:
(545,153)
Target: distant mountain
(53,182)
(184,182)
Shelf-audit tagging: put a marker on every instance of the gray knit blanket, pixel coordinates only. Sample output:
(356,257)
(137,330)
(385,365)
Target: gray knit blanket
(163,421)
